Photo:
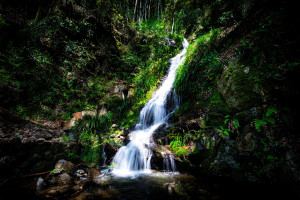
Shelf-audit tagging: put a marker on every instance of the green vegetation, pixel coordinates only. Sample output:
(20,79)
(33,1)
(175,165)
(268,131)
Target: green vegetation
(90,133)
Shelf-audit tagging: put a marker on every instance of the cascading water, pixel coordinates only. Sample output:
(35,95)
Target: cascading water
(169,163)
(136,156)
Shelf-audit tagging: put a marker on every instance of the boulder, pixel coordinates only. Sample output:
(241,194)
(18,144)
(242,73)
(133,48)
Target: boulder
(61,179)
(80,173)
(63,165)
(64,179)
(93,173)
(235,87)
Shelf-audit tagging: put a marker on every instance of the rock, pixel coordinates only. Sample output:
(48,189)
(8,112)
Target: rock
(130,92)
(160,135)
(110,152)
(40,183)
(92,113)
(61,179)
(63,165)
(122,133)
(114,126)
(238,96)
(93,173)
(80,173)
(68,124)
(43,135)
(103,111)
(170,42)
(121,91)
(7,161)
(246,143)
(171,187)
(77,115)
(19,136)
(65,179)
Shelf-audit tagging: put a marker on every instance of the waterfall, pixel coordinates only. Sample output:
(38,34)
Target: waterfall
(169,163)
(136,156)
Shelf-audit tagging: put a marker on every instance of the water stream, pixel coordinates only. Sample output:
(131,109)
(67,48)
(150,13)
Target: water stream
(135,157)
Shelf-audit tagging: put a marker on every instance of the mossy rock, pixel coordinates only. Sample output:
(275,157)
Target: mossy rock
(235,87)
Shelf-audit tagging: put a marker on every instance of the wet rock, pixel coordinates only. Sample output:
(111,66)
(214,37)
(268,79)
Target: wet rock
(80,173)
(110,152)
(61,179)
(65,179)
(160,135)
(171,187)
(93,173)
(41,183)
(63,165)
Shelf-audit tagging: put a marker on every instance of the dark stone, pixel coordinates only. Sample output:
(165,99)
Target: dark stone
(63,165)
(110,152)
(41,183)
(93,173)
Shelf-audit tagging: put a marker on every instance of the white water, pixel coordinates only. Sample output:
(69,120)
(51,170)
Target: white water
(136,156)
(169,163)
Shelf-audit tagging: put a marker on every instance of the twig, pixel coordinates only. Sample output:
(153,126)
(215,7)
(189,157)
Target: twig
(99,145)
(35,174)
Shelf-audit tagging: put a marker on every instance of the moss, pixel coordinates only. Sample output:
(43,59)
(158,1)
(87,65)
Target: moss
(236,85)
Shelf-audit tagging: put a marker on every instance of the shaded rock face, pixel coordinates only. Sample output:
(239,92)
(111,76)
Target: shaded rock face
(110,152)
(238,95)
(28,147)
(160,135)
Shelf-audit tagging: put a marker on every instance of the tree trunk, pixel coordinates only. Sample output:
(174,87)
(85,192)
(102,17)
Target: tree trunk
(135,6)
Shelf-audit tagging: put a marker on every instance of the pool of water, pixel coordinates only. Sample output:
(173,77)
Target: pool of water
(149,186)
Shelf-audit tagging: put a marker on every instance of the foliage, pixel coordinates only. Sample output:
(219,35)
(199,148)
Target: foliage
(267,118)
(200,68)
(91,132)
(231,125)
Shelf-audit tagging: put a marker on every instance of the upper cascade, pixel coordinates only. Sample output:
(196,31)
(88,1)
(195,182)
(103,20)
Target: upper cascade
(136,156)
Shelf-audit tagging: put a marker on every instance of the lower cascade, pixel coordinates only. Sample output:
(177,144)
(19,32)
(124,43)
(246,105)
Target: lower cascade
(136,156)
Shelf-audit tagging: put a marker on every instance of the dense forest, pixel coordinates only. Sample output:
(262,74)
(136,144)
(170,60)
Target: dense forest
(75,76)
